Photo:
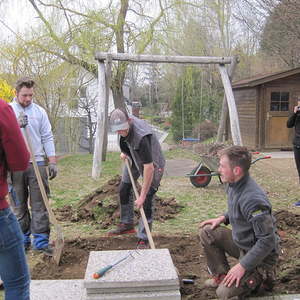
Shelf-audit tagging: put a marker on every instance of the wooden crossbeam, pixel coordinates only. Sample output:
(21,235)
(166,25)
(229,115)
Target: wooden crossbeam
(101,56)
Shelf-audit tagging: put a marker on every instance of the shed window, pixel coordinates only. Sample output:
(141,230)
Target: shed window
(280,101)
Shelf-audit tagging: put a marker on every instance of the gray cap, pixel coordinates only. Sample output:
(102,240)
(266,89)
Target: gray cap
(118,120)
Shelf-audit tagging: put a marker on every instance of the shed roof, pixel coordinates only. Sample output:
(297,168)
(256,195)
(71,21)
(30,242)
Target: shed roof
(261,79)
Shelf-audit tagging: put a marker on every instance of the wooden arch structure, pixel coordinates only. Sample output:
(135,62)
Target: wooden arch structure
(104,79)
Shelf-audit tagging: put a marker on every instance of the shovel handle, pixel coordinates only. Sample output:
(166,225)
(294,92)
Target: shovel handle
(60,238)
(148,232)
(38,177)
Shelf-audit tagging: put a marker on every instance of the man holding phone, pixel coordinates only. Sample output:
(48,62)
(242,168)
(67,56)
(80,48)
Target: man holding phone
(294,121)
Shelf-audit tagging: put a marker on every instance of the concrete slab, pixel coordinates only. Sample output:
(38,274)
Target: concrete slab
(148,268)
(73,289)
(56,289)
(163,295)
(132,289)
(278,297)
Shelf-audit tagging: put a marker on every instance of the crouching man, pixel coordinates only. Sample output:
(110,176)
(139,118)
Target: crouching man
(252,240)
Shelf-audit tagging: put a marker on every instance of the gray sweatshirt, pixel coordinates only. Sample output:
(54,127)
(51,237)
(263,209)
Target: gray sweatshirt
(253,228)
(40,129)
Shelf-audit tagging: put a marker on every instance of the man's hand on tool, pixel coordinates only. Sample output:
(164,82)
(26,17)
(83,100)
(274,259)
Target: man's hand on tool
(52,170)
(23,120)
(235,274)
(139,202)
(213,222)
(123,156)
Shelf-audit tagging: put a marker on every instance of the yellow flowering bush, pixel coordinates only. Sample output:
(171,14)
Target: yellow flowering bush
(7,93)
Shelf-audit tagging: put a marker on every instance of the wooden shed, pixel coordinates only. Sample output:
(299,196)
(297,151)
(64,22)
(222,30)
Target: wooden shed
(264,104)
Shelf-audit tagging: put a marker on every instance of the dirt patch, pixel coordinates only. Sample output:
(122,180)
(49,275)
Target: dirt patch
(187,256)
(102,207)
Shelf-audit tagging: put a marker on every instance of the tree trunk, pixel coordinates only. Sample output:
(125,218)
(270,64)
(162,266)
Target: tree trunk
(118,79)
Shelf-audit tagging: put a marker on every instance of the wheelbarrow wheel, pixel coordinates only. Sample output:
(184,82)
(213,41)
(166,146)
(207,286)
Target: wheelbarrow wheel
(201,181)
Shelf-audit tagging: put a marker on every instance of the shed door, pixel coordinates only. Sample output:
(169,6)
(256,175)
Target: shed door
(278,102)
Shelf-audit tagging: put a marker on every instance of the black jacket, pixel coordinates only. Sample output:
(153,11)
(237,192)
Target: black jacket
(294,121)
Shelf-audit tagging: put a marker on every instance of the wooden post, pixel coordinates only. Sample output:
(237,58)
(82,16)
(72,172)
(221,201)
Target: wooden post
(107,90)
(224,112)
(234,119)
(100,131)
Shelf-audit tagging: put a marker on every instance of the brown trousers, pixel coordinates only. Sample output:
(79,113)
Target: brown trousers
(217,243)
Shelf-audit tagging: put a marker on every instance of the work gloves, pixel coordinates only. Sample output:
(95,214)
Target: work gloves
(52,170)
(23,120)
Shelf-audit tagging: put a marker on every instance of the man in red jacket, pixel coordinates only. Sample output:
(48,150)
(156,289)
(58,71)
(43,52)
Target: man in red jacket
(14,156)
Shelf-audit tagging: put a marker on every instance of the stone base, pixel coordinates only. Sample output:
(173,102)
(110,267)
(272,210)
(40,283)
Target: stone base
(161,295)
(56,290)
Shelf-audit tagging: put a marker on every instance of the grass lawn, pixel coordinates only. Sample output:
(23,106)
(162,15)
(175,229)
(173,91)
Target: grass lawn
(277,176)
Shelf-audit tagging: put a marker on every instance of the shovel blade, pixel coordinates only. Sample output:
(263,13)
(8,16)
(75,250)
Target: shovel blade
(59,245)
(58,249)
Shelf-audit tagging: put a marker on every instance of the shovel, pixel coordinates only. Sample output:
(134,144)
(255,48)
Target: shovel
(148,232)
(59,242)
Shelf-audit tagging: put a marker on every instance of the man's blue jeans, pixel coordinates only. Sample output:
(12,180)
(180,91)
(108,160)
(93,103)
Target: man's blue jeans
(13,265)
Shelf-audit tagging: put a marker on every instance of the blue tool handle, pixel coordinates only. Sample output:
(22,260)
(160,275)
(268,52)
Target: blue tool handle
(102,271)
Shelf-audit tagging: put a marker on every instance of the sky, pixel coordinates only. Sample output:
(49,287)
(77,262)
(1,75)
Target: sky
(17,15)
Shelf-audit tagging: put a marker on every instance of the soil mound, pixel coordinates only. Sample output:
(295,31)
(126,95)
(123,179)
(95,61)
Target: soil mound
(102,207)
(287,221)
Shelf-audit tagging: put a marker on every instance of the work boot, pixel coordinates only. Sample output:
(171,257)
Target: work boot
(27,246)
(27,240)
(48,250)
(142,244)
(214,281)
(122,228)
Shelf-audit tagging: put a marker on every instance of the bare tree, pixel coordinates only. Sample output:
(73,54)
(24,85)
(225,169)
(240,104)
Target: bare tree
(113,29)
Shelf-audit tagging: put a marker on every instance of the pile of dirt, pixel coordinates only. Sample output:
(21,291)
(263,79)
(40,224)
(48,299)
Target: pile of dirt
(187,255)
(102,207)
(209,149)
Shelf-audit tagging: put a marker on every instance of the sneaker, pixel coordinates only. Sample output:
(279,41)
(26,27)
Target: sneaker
(122,228)
(214,282)
(297,203)
(142,244)
(1,285)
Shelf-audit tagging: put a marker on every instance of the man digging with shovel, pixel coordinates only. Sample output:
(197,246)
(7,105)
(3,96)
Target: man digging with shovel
(25,183)
(141,146)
